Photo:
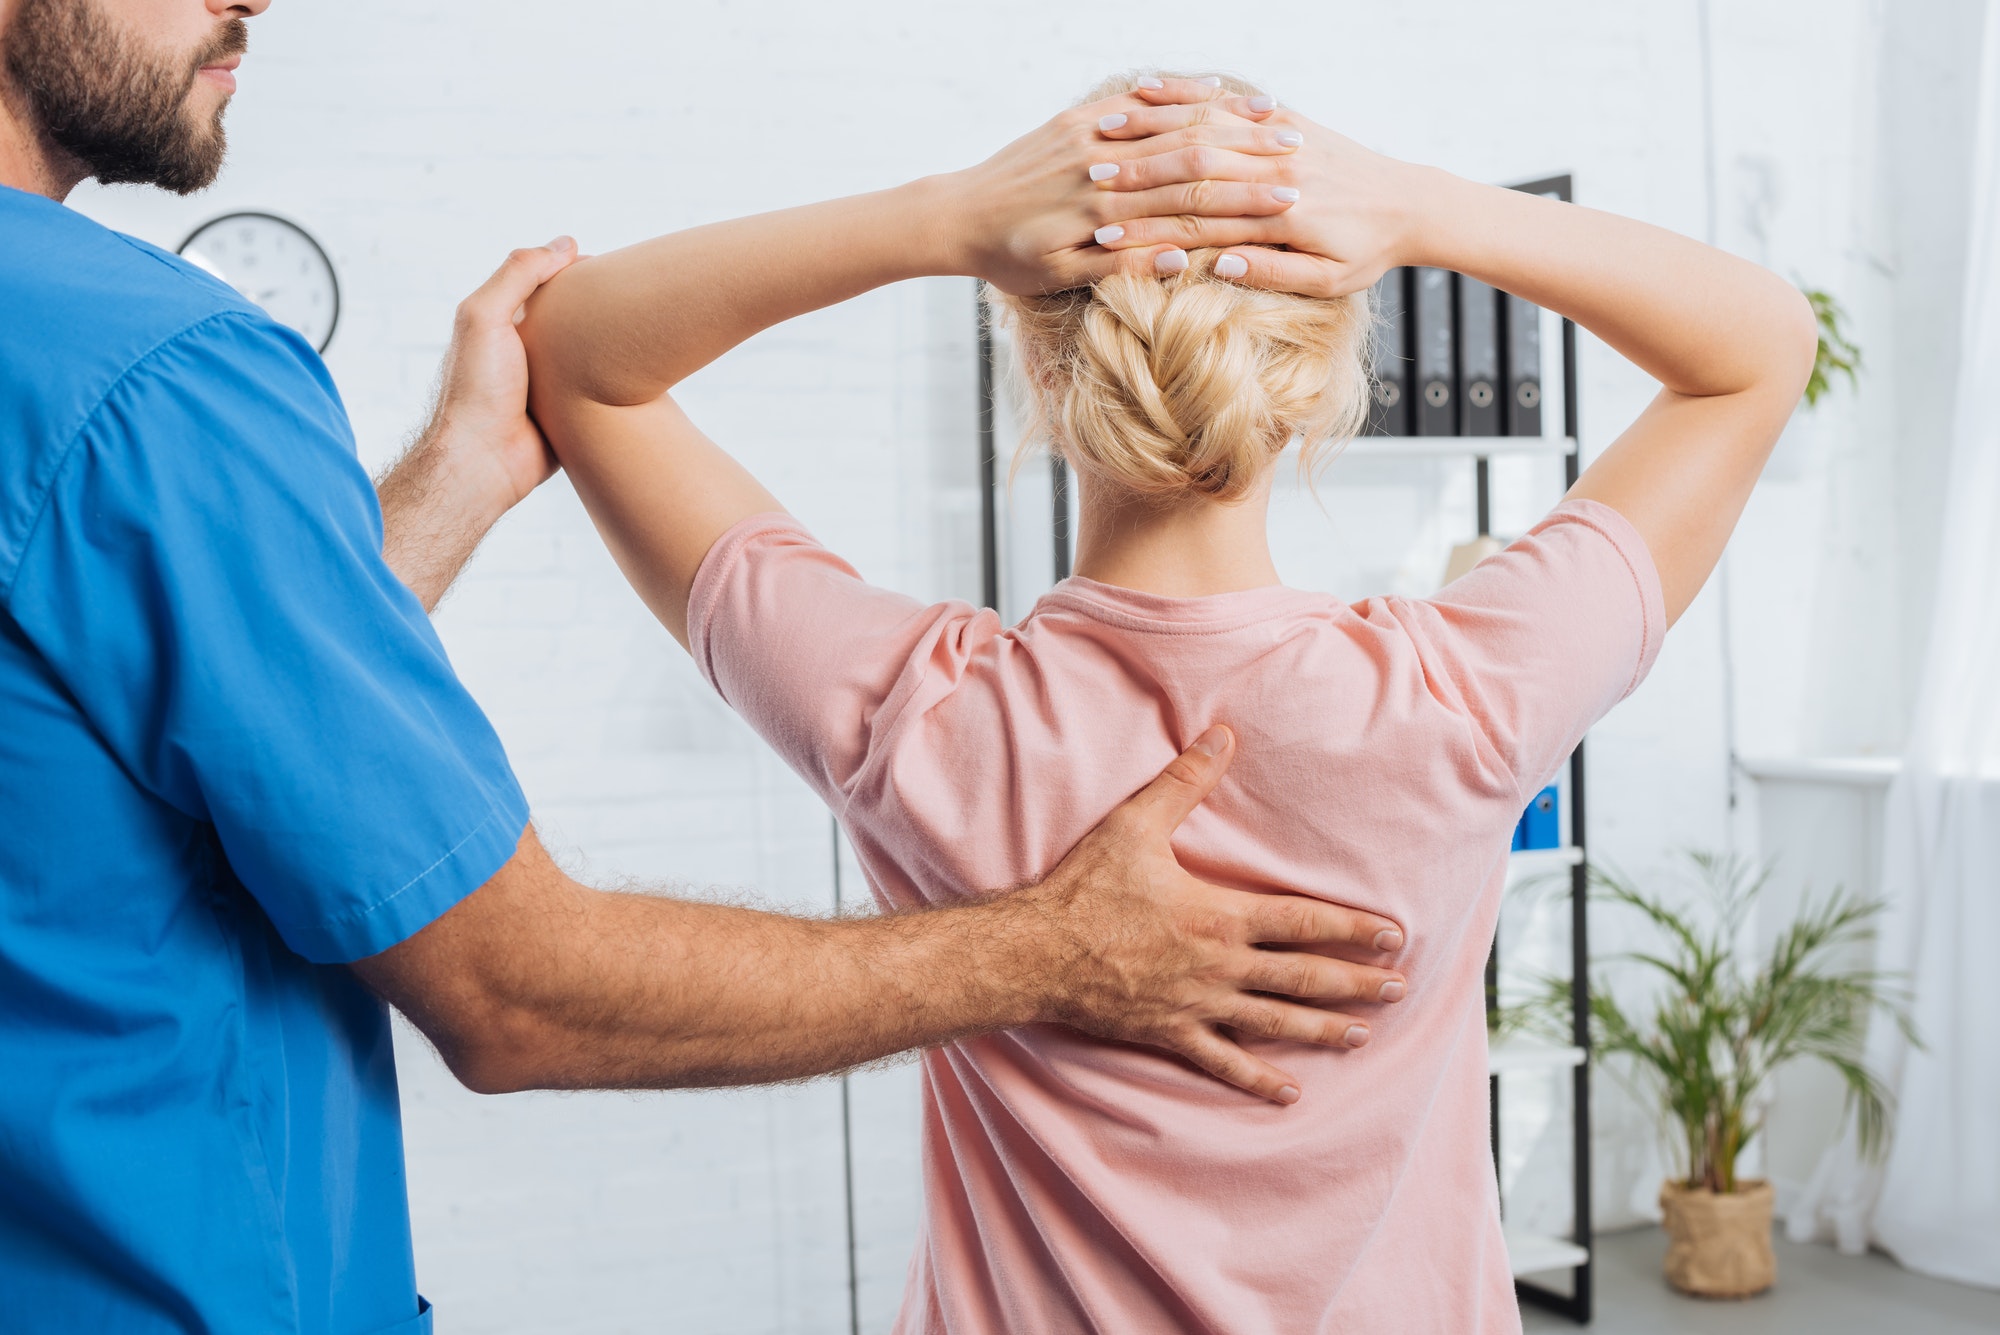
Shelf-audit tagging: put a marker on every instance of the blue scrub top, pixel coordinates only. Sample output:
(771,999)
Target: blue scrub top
(232,756)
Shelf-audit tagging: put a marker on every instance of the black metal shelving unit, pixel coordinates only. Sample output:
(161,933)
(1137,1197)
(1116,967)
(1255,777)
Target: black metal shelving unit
(1578,1303)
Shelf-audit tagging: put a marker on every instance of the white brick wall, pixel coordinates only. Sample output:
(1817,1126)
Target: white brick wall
(420,141)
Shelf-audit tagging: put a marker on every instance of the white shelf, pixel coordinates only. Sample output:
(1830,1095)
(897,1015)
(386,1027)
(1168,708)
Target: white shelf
(1532,1253)
(1528,863)
(1434,447)
(1860,771)
(1530,1054)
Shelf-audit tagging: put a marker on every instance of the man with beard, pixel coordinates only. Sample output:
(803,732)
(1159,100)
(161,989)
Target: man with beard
(241,781)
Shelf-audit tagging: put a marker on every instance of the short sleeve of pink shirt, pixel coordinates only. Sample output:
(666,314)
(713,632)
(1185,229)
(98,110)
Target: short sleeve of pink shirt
(1540,640)
(816,660)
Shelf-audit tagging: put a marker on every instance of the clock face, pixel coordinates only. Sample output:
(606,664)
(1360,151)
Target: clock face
(275,264)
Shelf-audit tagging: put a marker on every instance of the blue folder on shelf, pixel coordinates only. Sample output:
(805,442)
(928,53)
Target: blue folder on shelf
(1540,825)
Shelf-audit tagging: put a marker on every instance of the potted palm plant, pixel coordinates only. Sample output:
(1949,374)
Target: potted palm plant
(1718,1029)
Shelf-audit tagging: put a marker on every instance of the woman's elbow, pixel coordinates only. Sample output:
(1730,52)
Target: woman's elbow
(1798,344)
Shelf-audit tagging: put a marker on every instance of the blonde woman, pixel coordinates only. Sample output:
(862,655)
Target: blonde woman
(1386,747)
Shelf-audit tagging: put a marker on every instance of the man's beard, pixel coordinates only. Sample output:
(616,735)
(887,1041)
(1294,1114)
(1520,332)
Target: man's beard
(120,110)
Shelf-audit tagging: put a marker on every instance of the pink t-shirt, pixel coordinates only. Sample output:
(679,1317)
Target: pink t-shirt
(1385,751)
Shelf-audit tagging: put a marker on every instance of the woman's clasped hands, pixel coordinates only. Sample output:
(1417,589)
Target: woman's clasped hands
(1130,183)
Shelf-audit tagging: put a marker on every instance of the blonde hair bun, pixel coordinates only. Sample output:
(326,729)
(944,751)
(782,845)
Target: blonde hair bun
(1188,386)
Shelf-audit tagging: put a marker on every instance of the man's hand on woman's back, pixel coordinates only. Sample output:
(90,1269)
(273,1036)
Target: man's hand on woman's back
(1164,958)
(535,981)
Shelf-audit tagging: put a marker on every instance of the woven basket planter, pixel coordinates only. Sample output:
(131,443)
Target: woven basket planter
(1719,1246)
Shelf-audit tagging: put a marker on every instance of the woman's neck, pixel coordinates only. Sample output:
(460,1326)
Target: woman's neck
(1186,551)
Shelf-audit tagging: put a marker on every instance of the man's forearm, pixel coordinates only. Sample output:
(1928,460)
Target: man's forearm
(434,516)
(579,988)
(819,996)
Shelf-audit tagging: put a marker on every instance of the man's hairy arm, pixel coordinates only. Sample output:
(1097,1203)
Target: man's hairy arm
(535,981)
(540,982)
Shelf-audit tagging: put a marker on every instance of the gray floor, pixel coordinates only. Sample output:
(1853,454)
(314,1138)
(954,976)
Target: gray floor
(1818,1291)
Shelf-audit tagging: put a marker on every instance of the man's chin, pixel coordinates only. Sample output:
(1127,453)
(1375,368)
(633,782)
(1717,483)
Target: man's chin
(206,102)
(198,159)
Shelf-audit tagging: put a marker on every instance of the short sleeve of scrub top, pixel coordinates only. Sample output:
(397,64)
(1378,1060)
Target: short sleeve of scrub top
(205,576)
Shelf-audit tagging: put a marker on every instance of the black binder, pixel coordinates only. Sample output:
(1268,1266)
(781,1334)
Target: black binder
(1523,357)
(1478,359)
(1389,356)
(1436,411)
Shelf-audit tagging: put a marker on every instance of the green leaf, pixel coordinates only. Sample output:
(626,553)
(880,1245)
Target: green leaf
(1837,354)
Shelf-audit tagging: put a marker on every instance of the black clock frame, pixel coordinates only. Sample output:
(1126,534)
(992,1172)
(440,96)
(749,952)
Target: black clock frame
(332,274)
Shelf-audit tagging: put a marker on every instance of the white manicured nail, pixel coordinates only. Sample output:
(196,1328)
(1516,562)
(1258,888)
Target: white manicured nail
(1148,81)
(1103,171)
(1290,138)
(1284,194)
(1212,80)
(1115,121)
(1263,102)
(1231,266)
(1170,262)
(1106,235)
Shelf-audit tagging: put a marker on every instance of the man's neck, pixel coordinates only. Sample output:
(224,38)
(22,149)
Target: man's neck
(1190,550)
(28,161)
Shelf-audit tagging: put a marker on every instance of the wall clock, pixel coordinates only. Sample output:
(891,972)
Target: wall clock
(274,263)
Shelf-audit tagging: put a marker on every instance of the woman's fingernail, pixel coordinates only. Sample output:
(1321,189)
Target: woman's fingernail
(1231,266)
(1290,138)
(562,243)
(1212,80)
(1115,121)
(1170,262)
(1103,171)
(1211,742)
(1107,234)
(1357,1035)
(1148,81)
(1288,1094)
(1284,194)
(1263,102)
(1388,939)
(1392,990)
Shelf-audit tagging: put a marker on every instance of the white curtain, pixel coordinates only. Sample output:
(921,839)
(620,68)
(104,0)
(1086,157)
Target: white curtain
(1934,1203)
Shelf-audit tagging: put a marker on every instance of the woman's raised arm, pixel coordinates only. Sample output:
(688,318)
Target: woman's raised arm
(1730,343)
(613,334)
